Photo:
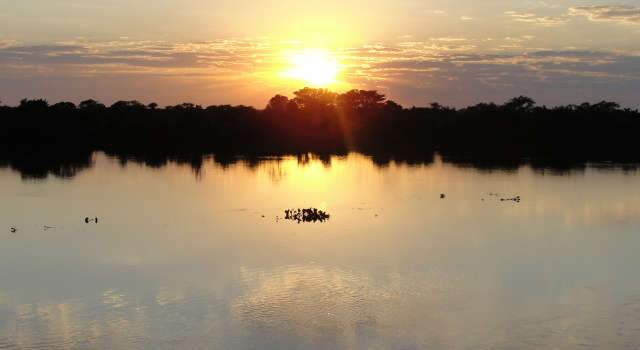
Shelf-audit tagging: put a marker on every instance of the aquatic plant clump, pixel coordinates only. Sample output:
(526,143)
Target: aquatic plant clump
(306,215)
(514,199)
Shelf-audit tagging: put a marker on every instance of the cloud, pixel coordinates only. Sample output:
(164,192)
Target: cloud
(466,18)
(464,77)
(6,43)
(444,44)
(612,13)
(545,21)
(159,55)
(452,70)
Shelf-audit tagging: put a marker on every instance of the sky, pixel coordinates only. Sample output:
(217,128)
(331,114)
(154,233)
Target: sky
(456,52)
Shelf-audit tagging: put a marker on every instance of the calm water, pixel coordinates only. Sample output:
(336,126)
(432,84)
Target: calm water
(186,260)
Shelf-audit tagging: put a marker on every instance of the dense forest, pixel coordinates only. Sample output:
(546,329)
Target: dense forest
(36,137)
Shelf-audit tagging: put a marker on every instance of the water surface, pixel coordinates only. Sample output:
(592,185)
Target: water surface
(201,260)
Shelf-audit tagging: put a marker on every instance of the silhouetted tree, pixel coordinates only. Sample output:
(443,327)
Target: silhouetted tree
(186,106)
(392,107)
(316,120)
(361,99)
(278,104)
(128,106)
(34,106)
(520,104)
(315,99)
(64,107)
(606,107)
(91,105)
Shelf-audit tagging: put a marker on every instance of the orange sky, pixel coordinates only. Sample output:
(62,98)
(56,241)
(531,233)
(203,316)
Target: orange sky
(213,52)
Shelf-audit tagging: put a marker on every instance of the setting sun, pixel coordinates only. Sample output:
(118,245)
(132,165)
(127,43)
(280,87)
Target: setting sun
(316,67)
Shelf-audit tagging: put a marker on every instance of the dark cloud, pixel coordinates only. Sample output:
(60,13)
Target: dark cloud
(411,73)
(571,62)
(40,49)
(552,77)
(200,55)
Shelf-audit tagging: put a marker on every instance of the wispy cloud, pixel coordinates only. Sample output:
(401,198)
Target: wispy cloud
(545,21)
(463,77)
(451,70)
(6,43)
(144,54)
(613,13)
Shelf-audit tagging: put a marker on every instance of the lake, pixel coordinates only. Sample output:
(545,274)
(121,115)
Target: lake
(202,259)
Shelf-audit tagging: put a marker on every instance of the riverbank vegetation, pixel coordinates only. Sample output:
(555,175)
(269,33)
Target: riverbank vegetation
(324,122)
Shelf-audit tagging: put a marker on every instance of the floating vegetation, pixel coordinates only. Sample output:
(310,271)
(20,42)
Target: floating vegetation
(306,215)
(514,199)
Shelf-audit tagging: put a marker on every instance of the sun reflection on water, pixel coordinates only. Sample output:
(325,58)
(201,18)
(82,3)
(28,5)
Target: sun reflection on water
(179,256)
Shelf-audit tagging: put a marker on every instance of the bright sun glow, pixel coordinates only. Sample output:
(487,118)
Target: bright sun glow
(316,67)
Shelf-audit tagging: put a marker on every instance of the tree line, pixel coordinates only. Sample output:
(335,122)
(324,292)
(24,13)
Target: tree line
(322,121)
